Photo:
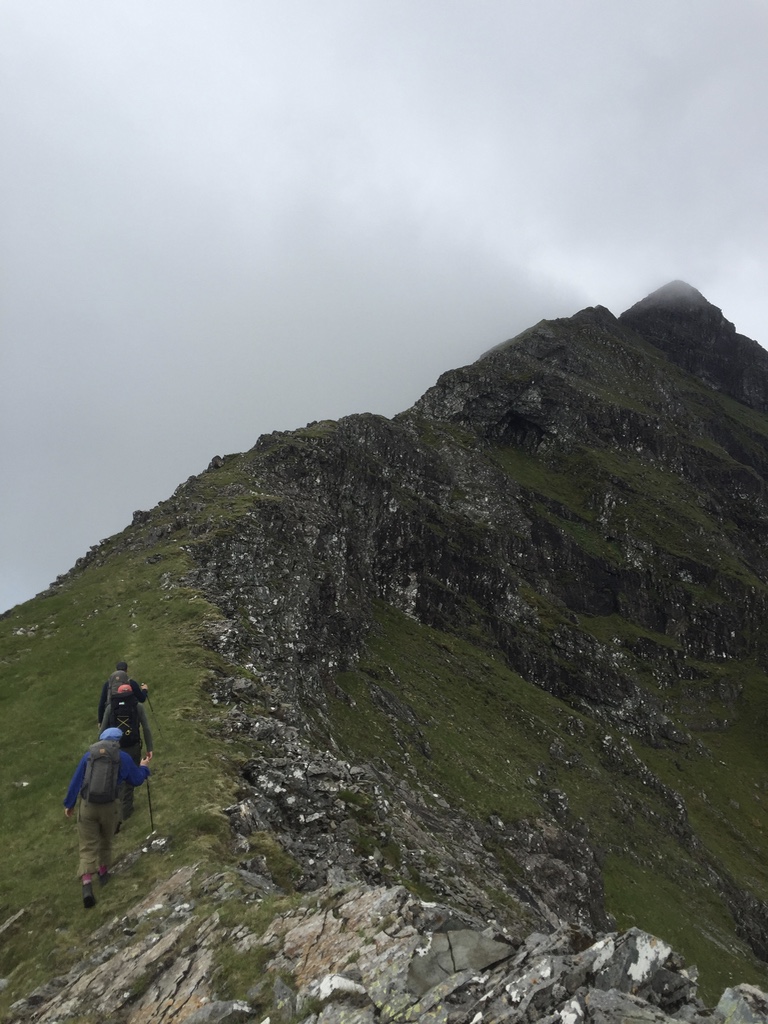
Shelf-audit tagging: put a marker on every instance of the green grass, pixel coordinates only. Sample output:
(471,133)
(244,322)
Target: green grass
(469,707)
(488,730)
(54,656)
(692,919)
(653,508)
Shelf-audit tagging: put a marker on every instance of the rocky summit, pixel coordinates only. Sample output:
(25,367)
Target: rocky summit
(482,695)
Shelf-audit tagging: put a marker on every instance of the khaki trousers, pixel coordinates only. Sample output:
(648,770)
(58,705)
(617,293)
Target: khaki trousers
(96,824)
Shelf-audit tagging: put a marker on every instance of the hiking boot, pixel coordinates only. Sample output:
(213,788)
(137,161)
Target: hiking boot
(103,879)
(89,900)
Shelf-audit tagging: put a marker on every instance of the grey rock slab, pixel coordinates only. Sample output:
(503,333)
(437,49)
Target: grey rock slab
(744,1004)
(221,1012)
(636,957)
(450,952)
(614,1007)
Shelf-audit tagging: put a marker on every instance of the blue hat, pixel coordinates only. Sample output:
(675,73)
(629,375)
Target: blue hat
(112,733)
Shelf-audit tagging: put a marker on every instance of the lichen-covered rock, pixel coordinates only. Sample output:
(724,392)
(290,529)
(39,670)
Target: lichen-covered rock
(744,1004)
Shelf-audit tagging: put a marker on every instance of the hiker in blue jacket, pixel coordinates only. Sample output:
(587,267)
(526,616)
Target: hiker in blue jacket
(139,689)
(97,820)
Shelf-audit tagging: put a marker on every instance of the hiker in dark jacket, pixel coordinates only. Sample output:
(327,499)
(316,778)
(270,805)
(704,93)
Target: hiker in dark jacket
(134,752)
(139,689)
(97,822)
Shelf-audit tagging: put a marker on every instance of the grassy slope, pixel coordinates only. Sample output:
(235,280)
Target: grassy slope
(55,653)
(489,731)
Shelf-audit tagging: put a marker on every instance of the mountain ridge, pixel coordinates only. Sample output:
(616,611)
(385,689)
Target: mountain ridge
(516,628)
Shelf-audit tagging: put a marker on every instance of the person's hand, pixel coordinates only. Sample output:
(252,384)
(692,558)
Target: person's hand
(144,687)
(144,763)
(148,755)
(69,811)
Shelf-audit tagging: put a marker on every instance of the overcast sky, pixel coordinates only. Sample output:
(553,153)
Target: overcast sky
(226,217)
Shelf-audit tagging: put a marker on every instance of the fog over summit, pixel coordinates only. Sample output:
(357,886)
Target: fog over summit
(676,293)
(295,213)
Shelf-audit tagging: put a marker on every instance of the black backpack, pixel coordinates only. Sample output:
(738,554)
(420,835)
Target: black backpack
(101,771)
(125,709)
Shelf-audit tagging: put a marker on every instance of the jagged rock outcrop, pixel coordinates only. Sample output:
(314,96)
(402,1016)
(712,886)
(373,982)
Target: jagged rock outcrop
(339,823)
(428,514)
(678,320)
(369,955)
(346,515)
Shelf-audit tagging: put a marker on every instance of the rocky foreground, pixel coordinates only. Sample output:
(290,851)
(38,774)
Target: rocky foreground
(362,954)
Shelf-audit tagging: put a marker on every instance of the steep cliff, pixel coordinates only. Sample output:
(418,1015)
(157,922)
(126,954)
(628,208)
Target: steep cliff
(506,649)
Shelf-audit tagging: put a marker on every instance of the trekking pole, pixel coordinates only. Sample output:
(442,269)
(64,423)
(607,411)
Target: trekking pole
(149,797)
(154,715)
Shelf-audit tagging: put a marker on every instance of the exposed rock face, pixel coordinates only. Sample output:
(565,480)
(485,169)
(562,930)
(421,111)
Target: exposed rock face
(441,514)
(695,335)
(344,516)
(371,955)
(315,804)
(570,473)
